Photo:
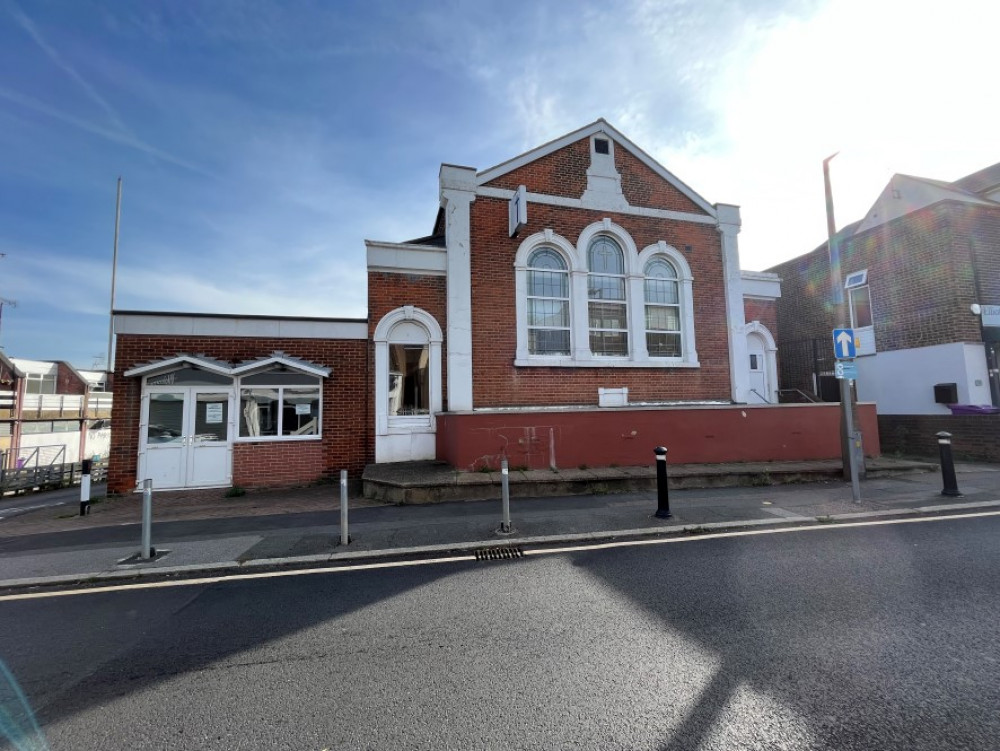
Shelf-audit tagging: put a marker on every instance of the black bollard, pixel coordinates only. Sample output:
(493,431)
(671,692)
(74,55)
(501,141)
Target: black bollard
(662,494)
(947,465)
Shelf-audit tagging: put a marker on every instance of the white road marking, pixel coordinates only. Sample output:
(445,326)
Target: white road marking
(22,509)
(463,558)
(786,514)
(750,532)
(235,577)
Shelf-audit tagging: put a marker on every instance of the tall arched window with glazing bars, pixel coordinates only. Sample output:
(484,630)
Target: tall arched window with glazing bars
(663,309)
(607,302)
(548,303)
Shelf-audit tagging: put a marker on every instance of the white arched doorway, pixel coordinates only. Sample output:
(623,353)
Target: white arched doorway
(407,385)
(762,363)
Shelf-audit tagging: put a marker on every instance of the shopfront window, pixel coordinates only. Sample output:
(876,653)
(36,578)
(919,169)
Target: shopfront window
(279,404)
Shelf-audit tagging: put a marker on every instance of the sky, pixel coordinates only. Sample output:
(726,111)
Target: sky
(261,142)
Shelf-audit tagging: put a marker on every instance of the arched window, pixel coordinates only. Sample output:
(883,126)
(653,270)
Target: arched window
(548,303)
(663,309)
(607,306)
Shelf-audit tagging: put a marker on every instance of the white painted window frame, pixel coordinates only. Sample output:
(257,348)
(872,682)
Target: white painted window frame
(568,300)
(386,424)
(647,304)
(635,265)
(281,401)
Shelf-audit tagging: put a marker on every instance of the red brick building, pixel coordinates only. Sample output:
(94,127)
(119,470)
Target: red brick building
(921,281)
(912,269)
(576,304)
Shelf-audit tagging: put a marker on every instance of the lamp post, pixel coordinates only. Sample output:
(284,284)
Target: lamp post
(843,321)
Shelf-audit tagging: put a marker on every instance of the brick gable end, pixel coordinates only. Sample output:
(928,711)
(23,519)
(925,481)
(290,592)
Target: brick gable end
(564,173)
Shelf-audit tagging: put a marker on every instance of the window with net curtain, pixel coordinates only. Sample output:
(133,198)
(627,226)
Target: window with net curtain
(663,309)
(548,303)
(607,307)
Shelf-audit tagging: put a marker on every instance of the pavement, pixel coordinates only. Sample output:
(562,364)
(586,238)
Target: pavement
(206,532)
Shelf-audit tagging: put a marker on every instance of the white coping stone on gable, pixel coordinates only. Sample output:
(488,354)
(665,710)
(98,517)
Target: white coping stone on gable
(401,258)
(279,328)
(598,126)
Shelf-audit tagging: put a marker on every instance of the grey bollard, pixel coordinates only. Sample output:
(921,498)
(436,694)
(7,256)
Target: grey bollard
(505,496)
(147,551)
(345,538)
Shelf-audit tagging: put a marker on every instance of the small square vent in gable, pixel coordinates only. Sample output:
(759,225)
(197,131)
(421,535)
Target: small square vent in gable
(601,145)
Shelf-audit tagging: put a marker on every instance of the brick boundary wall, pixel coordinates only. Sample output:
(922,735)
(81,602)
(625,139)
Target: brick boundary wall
(973,437)
(626,436)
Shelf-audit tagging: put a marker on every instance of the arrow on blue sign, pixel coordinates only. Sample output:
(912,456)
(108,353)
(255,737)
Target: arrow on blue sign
(843,343)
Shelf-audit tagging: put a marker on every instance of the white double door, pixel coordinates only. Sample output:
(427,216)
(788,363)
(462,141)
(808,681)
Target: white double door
(186,437)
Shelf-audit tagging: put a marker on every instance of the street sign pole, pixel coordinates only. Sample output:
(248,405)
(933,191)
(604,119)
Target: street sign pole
(837,288)
(845,392)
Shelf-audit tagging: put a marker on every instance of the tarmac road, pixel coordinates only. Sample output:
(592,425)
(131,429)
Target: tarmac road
(11,505)
(835,638)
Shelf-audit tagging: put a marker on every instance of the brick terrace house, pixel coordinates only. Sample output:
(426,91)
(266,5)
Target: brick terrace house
(577,304)
(913,268)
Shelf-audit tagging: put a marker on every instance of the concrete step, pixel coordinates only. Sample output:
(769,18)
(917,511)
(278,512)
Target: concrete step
(433,482)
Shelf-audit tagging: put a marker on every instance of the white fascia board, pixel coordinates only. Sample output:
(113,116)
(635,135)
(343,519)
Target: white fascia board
(576,203)
(36,367)
(153,367)
(291,364)
(234,326)
(400,258)
(598,126)
(761,285)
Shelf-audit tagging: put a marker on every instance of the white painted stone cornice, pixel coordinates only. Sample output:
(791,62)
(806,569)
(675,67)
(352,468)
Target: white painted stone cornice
(576,203)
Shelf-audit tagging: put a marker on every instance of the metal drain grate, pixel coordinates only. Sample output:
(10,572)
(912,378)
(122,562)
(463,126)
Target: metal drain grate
(498,554)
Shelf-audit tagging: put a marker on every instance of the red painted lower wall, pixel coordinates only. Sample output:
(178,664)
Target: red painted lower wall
(627,437)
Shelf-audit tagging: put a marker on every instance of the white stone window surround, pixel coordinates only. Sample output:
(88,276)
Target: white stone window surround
(406,325)
(635,264)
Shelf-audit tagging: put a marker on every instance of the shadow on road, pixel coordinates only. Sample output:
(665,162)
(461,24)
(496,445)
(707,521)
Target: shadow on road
(102,647)
(865,645)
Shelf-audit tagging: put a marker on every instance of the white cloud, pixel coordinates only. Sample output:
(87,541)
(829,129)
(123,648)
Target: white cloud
(891,88)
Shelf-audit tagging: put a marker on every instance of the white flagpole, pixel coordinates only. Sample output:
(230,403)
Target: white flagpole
(114,270)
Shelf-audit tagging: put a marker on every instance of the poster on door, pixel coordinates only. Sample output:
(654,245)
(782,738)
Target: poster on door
(213,413)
